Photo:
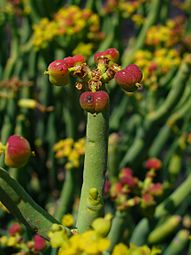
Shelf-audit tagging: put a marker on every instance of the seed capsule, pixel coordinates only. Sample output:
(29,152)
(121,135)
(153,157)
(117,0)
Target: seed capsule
(129,77)
(17,152)
(94,102)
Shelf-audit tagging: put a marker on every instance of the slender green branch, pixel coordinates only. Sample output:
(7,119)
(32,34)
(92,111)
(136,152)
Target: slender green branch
(117,229)
(91,202)
(67,194)
(175,199)
(20,204)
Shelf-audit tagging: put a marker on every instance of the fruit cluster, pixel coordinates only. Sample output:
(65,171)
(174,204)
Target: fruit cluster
(129,191)
(94,97)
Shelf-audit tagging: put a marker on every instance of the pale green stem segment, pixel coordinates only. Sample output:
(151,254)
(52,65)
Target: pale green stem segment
(91,201)
(21,205)
(175,199)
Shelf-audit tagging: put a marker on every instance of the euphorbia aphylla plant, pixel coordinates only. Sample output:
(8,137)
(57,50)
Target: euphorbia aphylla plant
(94,99)
(102,141)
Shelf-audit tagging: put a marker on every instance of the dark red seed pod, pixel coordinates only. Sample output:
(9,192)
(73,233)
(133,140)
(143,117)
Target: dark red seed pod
(72,61)
(101,100)
(87,101)
(39,243)
(58,72)
(15,228)
(17,152)
(135,72)
(78,59)
(94,102)
(128,77)
(112,54)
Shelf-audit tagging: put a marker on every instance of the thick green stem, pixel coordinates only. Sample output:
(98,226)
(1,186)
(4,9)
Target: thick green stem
(140,233)
(20,204)
(178,243)
(174,95)
(91,202)
(174,200)
(117,229)
(164,229)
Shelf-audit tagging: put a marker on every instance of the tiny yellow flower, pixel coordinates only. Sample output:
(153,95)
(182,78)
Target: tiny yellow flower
(68,220)
(120,249)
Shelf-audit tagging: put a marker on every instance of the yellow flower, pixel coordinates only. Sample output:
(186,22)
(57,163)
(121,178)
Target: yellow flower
(58,236)
(12,241)
(120,249)
(3,240)
(68,220)
(83,48)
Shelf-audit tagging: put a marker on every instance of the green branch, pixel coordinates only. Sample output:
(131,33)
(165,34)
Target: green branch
(91,202)
(22,206)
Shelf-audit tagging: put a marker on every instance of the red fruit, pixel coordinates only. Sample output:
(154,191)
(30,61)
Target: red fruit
(78,59)
(58,72)
(94,102)
(39,243)
(17,152)
(128,77)
(153,163)
(126,177)
(112,54)
(156,189)
(72,61)
(116,189)
(101,100)
(15,228)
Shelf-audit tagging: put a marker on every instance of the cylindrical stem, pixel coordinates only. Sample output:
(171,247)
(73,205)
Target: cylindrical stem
(91,202)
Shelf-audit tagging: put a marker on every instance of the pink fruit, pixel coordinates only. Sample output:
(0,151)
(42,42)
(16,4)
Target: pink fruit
(39,243)
(58,72)
(128,77)
(94,102)
(112,54)
(17,152)
(72,61)
(14,229)
(153,163)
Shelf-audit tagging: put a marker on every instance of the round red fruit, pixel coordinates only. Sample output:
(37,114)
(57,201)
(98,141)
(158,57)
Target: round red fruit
(58,72)
(17,152)
(72,61)
(87,101)
(94,102)
(128,77)
(101,100)
(112,54)
(39,243)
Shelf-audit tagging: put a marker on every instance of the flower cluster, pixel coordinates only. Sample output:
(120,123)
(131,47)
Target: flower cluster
(122,249)
(166,35)
(156,63)
(93,241)
(129,191)
(89,242)
(128,9)
(15,241)
(71,150)
(68,21)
